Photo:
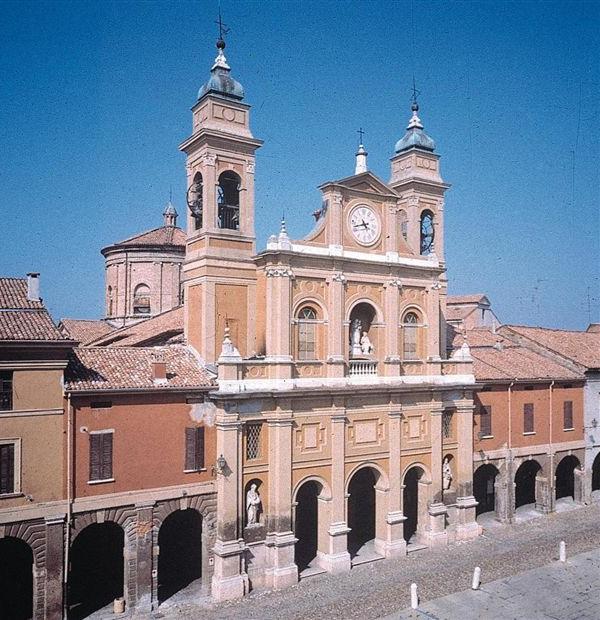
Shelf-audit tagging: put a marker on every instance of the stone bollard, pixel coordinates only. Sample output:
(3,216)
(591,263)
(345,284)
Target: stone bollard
(414,596)
(119,606)
(562,551)
(476,579)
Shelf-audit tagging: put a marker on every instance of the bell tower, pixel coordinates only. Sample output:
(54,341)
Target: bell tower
(219,274)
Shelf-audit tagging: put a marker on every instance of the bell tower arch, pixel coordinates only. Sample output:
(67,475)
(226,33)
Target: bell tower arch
(219,273)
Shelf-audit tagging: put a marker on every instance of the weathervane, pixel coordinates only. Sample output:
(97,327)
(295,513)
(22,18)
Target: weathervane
(415,93)
(223,30)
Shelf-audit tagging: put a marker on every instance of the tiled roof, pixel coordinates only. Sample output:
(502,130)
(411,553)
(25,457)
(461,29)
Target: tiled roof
(457,313)
(580,347)
(165,235)
(159,329)
(22,319)
(465,299)
(83,330)
(497,358)
(116,368)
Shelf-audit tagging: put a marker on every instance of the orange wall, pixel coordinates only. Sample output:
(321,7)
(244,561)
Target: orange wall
(497,397)
(148,442)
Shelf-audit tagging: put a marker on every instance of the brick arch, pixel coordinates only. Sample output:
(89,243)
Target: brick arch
(33,534)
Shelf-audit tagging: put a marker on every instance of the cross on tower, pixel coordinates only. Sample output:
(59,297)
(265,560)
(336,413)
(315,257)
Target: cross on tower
(223,30)
(415,92)
(360,132)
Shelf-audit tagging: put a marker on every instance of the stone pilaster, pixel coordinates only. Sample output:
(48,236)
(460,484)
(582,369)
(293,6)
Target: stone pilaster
(392,301)
(55,540)
(466,526)
(337,558)
(395,545)
(335,330)
(144,556)
(281,570)
(437,534)
(229,578)
(279,311)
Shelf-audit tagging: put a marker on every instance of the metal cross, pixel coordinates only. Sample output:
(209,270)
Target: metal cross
(360,132)
(223,30)
(415,92)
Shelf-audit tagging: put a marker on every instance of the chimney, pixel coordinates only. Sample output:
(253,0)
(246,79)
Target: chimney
(33,286)
(159,368)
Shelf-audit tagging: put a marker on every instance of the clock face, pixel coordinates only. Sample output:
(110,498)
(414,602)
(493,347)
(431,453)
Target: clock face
(364,225)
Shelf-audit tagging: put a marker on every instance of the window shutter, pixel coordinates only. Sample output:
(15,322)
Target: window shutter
(7,468)
(107,456)
(95,457)
(568,414)
(200,447)
(486,420)
(528,421)
(190,449)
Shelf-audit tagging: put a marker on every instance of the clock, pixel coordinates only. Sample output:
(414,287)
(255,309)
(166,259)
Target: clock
(364,225)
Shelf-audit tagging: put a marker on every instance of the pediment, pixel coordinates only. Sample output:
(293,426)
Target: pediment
(364,182)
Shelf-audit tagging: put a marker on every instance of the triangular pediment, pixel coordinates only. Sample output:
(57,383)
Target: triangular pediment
(364,182)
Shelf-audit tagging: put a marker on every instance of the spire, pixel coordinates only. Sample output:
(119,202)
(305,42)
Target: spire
(361,155)
(170,215)
(284,239)
(415,136)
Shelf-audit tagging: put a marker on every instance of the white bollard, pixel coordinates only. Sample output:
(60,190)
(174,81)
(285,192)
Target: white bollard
(476,579)
(562,551)
(414,596)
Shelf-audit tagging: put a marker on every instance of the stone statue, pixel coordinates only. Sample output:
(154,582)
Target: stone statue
(252,505)
(446,474)
(355,330)
(365,344)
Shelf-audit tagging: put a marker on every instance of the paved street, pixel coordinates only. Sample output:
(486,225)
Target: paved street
(382,588)
(557,591)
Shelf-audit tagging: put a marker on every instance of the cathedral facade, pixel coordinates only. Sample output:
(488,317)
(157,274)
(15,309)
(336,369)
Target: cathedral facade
(344,430)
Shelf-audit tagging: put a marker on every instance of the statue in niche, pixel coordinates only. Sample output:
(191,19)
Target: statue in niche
(366,345)
(446,474)
(355,338)
(252,505)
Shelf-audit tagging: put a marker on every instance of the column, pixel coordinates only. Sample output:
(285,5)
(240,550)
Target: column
(55,540)
(229,578)
(395,545)
(392,318)
(337,558)
(144,553)
(437,534)
(466,526)
(336,342)
(281,570)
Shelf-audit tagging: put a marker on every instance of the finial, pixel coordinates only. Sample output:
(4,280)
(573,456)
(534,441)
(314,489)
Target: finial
(170,213)
(415,121)
(220,60)
(361,155)
(283,240)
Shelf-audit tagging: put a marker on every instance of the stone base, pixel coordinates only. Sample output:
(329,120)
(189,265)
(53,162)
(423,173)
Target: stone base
(229,588)
(467,527)
(281,570)
(393,548)
(335,562)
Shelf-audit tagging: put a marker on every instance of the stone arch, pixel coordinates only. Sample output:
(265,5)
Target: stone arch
(596,473)
(326,489)
(359,298)
(229,189)
(416,488)
(17,591)
(527,483)
(566,480)
(311,300)
(484,488)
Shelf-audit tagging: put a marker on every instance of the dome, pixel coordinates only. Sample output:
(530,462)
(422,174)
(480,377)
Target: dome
(415,136)
(220,81)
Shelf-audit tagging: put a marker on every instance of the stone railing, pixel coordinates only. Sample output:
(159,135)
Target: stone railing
(362,368)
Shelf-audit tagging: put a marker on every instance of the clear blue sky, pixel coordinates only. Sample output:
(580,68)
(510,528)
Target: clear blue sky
(95,98)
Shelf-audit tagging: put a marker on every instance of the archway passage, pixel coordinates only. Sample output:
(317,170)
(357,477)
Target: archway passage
(361,509)
(411,501)
(16,579)
(96,569)
(307,524)
(483,488)
(565,477)
(180,552)
(525,483)
(596,473)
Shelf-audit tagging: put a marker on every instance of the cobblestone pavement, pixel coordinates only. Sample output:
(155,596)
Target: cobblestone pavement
(381,588)
(557,591)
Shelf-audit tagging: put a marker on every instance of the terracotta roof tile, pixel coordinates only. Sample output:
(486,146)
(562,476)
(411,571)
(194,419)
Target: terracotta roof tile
(22,319)
(103,368)
(158,329)
(83,330)
(465,299)
(165,235)
(580,347)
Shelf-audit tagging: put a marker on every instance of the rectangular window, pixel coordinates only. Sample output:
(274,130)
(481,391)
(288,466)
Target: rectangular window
(6,390)
(447,424)
(485,421)
(410,342)
(568,414)
(7,468)
(101,456)
(194,448)
(528,420)
(253,434)
(307,339)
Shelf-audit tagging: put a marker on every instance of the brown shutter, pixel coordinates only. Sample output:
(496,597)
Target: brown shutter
(486,420)
(95,457)
(200,447)
(528,420)
(190,449)
(7,468)
(568,414)
(107,456)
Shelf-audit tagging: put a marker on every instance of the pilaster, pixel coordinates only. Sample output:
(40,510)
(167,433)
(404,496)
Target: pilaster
(437,510)
(144,550)
(392,352)
(335,328)
(55,540)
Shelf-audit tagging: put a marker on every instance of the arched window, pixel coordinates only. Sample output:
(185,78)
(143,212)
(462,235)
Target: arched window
(109,301)
(195,200)
(427,233)
(411,336)
(403,221)
(228,200)
(141,299)
(307,333)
